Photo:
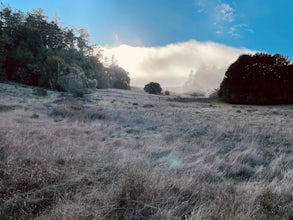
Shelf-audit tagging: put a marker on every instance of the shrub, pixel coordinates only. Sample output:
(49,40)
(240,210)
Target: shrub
(92,83)
(198,94)
(258,79)
(167,92)
(28,75)
(119,77)
(71,83)
(76,81)
(153,88)
(79,93)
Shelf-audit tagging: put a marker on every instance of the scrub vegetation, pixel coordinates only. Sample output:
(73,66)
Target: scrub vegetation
(107,156)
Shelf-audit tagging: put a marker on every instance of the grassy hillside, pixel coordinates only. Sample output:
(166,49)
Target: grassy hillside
(128,155)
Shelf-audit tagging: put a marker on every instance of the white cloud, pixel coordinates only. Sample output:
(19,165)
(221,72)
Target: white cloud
(223,17)
(225,12)
(200,5)
(170,65)
(235,30)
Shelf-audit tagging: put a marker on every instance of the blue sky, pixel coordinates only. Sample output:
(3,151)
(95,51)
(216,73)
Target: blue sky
(257,25)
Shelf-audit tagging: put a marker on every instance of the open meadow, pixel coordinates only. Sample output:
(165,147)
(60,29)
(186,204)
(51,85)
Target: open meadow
(116,154)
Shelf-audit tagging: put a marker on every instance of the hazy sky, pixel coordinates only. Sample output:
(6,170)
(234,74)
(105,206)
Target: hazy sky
(175,32)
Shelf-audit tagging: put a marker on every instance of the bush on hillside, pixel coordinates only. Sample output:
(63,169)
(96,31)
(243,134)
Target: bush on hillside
(153,88)
(258,79)
(76,80)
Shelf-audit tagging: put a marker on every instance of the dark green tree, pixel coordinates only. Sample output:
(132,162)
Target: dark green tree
(258,79)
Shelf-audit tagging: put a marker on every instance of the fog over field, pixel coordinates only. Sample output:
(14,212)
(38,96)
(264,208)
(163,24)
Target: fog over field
(172,65)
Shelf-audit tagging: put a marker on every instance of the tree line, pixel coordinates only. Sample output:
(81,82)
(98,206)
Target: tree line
(39,52)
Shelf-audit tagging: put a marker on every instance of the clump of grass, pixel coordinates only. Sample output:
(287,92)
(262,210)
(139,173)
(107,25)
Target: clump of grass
(28,188)
(79,93)
(273,205)
(35,116)
(143,194)
(77,111)
(252,159)
(237,172)
(134,199)
(5,108)
(148,106)
(40,92)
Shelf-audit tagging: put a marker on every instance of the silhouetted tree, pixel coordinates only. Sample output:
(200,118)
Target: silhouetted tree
(258,79)
(153,88)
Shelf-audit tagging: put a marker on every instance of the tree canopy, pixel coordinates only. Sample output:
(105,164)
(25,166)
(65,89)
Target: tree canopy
(39,52)
(259,79)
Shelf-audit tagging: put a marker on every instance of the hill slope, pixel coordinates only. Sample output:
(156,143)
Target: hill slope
(126,155)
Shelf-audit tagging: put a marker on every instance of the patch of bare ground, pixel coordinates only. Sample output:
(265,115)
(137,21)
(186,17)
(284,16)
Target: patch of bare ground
(108,156)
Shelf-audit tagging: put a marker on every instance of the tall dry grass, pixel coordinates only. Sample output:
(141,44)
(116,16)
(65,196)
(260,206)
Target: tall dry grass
(101,157)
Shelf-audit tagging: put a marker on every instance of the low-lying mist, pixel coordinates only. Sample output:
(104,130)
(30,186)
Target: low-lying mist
(180,67)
